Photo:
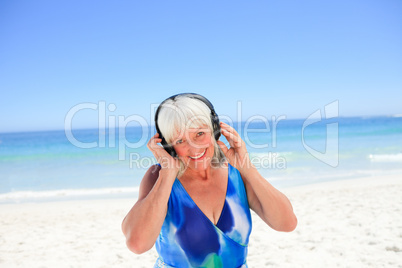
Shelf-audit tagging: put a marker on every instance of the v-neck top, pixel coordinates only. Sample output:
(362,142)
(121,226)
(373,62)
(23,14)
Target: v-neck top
(188,238)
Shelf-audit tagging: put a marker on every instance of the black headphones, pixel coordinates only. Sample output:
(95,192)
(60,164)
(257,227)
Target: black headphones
(214,119)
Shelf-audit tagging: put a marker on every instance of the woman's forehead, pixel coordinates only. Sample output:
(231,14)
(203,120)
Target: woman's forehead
(182,133)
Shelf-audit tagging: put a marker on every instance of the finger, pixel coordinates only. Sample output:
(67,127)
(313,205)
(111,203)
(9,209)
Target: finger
(233,139)
(153,142)
(155,136)
(157,140)
(228,127)
(154,147)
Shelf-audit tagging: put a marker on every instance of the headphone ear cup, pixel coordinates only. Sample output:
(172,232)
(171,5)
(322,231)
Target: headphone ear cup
(170,150)
(165,145)
(216,126)
(168,147)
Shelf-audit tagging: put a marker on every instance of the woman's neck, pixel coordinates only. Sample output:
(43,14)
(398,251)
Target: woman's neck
(201,174)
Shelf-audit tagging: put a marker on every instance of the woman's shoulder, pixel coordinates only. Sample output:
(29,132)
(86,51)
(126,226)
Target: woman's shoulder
(154,169)
(152,173)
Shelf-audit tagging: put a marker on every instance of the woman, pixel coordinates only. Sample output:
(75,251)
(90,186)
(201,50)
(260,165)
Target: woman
(195,205)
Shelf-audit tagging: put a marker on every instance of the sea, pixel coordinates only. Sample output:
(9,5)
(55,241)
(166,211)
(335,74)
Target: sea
(110,163)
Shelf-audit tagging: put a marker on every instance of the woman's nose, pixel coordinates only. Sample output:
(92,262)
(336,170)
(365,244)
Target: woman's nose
(195,144)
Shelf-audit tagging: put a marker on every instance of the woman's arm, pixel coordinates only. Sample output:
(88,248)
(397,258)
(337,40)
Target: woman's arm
(270,204)
(144,221)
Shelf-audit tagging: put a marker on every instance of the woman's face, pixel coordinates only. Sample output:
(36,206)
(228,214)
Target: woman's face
(195,147)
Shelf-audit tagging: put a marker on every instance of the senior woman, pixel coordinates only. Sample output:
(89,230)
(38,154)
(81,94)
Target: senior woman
(195,205)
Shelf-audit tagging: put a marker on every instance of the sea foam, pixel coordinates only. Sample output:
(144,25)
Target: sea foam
(23,196)
(385,157)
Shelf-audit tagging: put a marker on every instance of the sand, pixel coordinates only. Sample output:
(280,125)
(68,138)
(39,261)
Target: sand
(353,223)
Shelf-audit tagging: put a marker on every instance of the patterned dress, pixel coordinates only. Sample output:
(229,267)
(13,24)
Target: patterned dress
(189,239)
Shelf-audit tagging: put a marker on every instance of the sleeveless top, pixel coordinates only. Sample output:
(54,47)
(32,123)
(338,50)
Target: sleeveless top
(189,239)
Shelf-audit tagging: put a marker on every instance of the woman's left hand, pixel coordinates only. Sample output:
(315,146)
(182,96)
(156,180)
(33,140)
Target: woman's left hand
(237,153)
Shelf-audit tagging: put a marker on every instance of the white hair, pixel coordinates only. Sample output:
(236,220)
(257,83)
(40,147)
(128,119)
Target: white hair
(178,115)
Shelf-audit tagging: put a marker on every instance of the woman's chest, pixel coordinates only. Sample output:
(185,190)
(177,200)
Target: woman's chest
(210,199)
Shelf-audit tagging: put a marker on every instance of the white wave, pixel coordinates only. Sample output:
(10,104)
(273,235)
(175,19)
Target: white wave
(265,154)
(65,193)
(385,157)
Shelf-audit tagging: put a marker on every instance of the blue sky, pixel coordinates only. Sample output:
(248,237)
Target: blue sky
(276,57)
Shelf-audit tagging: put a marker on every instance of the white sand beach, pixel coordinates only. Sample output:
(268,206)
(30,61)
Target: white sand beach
(353,223)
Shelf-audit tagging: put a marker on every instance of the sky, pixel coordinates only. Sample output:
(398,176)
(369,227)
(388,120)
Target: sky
(271,58)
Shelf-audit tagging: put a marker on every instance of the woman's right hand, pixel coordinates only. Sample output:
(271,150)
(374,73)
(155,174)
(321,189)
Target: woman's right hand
(167,162)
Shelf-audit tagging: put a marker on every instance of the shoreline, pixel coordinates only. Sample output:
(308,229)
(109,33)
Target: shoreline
(107,193)
(353,222)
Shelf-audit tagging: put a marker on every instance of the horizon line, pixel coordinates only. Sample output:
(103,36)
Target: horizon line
(153,125)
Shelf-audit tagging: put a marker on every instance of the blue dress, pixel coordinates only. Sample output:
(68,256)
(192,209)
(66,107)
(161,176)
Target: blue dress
(189,239)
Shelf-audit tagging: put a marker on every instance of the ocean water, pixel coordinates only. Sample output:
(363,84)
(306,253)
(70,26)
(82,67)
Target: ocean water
(92,163)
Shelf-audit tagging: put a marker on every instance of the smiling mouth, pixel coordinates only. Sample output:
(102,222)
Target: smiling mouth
(198,156)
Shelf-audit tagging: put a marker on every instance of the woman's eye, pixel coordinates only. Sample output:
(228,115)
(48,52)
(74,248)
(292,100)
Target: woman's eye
(200,133)
(179,141)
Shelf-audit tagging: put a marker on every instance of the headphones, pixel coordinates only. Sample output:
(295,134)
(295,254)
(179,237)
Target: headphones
(214,119)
